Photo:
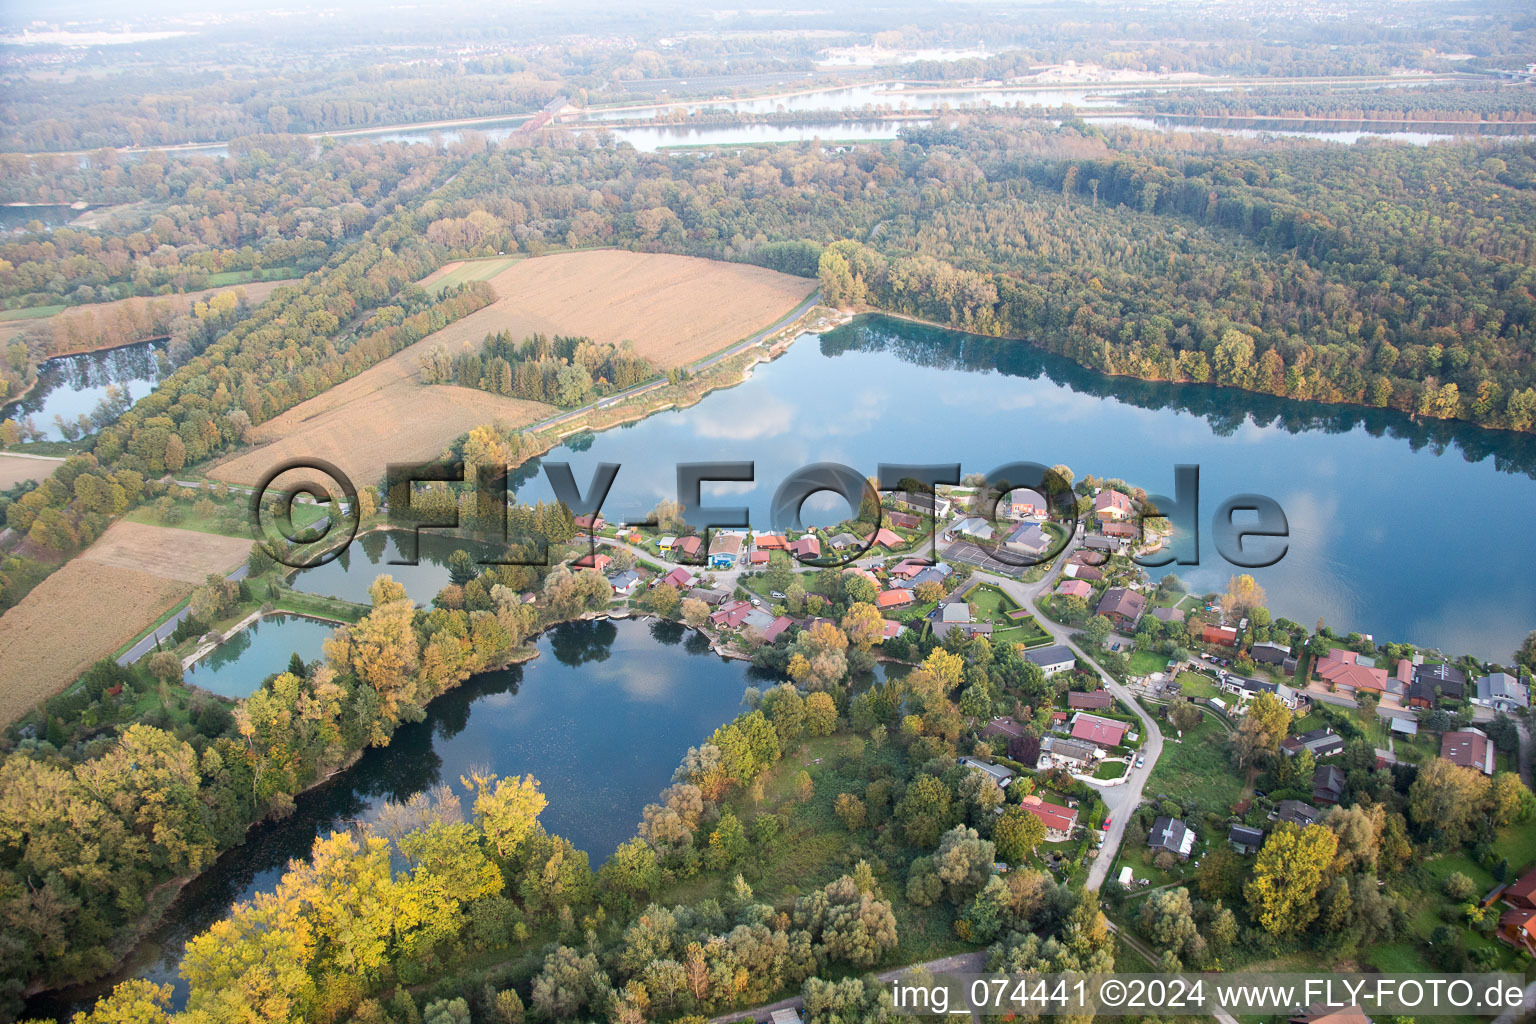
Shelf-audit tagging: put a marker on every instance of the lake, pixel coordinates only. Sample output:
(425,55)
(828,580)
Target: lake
(371,555)
(238,666)
(601,717)
(69,387)
(1374,498)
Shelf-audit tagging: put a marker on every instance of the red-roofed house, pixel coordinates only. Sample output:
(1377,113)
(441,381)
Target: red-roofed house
(591,561)
(731,614)
(1101,732)
(890,628)
(1224,635)
(905,520)
(590,523)
(1120,531)
(780,624)
(680,578)
(1518,928)
(1343,669)
(1521,893)
(1058,821)
(806,547)
(885,538)
(893,599)
(1097,700)
(1110,504)
(1075,588)
(909,567)
(758,558)
(687,547)
(866,574)
(1470,749)
(771,542)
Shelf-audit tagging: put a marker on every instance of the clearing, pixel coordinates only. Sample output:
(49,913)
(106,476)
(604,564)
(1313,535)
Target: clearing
(16,468)
(111,592)
(676,309)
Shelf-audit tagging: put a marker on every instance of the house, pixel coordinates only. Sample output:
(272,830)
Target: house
(680,578)
(761,621)
(1245,839)
(1344,670)
(709,597)
(665,545)
(908,568)
(935,505)
(772,631)
(957,615)
(1226,636)
(932,574)
(1167,615)
(1405,726)
(888,599)
(591,560)
(1501,692)
(770,542)
(905,520)
(1098,700)
(1022,504)
(806,547)
(1518,928)
(757,558)
(1521,893)
(1112,506)
(731,615)
(1327,784)
(1078,571)
(1072,752)
(1267,653)
(1000,774)
(1122,607)
(1120,531)
(1172,835)
(890,628)
(1028,539)
(1297,813)
(1102,732)
(1075,588)
(970,526)
(1469,748)
(625,583)
(843,541)
(1435,683)
(864,574)
(688,547)
(1058,821)
(884,538)
(1322,742)
(1053,659)
(1099,542)
(589,524)
(724,549)
(1005,728)
(1385,758)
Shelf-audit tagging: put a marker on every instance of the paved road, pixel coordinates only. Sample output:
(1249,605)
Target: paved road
(165,629)
(960,963)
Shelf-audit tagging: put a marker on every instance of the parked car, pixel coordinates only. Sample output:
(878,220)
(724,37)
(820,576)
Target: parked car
(776,595)
(1141,762)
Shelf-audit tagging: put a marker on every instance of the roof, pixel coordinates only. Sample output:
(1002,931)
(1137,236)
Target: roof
(627,578)
(974,526)
(1000,774)
(726,544)
(1298,812)
(1327,781)
(1171,834)
(1503,687)
(1053,816)
(1029,536)
(806,547)
(786,1017)
(1266,653)
(1523,887)
(1104,732)
(884,538)
(1110,499)
(1096,699)
(893,598)
(1321,1014)
(1061,746)
(689,545)
(1245,835)
(890,628)
(1342,668)
(1469,748)
(707,596)
(1125,603)
(779,625)
(1218,634)
(758,558)
(593,561)
(771,541)
(1167,614)
(1074,588)
(955,611)
(1078,571)
(1003,726)
(1406,726)
(679,577)
(1122,531)
(1056,654)
(844,540)
(732,615)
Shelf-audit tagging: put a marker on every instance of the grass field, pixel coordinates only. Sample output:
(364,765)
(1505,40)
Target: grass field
(14,469)
(464,271)
(1144,663)
(233,277)
(110,593)
(31,313)
(1197,768)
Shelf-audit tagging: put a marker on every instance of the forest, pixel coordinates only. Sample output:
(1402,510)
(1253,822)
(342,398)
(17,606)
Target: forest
(563,371)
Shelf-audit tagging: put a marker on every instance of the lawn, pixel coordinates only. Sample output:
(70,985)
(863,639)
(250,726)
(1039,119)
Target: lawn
(1198,769)
(1144,663)
(232,277)
(31,313)
(471,270)
(1197,685)
(993,605)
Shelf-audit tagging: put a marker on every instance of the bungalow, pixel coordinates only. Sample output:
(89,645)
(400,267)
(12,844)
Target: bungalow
(589,524)
(1077,571)
(731,615)
(970,526)
(957,615)
(1343,669)
(1028,539)
(905,520)
(1112,505)
(770,542)
(1075,588)
(1245,839)
(1060,749)
(932,574)
(1059,821)
(1297,813)
(709,597)
(1122,607)
(1004,727)
(1518,928)
(1099,542)
(1000,774)
(1022,504)
(1053,659)
(1226,636)
(844,541)
(806,547)
(772,631)
(625,583)
(888,599)
(1119,531)
(884,538)
(1172,835)
(680,578)
(1167,615)
(890,628)
(687,547)
(1322,742)
(1435,683)
(935,505)
(1266,653)
(1327,784)
(908,568)
(757,558)
(1501,692)
(1103,732)
(1522,891)
(724,549)
(1098,700)
(1469,748)
(597,561)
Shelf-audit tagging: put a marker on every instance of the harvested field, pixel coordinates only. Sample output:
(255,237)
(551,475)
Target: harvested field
(464,271)
(675,309)
(99,601)
(362,432)
(15,468)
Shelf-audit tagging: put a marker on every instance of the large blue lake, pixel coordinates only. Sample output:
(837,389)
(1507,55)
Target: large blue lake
(1421,531)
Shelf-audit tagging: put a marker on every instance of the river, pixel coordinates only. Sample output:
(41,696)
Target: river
(1375,500)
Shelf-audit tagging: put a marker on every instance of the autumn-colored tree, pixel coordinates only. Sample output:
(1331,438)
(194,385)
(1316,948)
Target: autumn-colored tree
(1287,876)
